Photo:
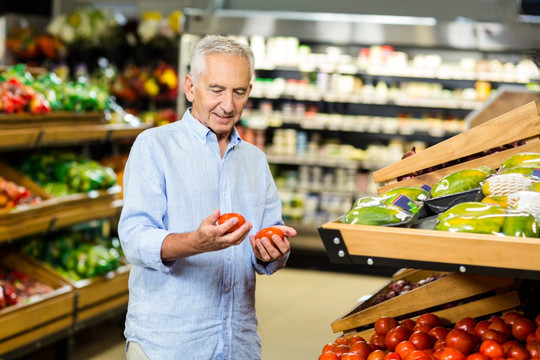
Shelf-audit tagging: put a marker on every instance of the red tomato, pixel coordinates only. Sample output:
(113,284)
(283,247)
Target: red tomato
(537,333)
(511,316)
(467,323)
(508,344)
(428,318)
(492,349)
(376,341)
(517,352)
(328,356)
(330,347)
(355,338)
(494,335)
(269,232)
(376,355)
(361,348)
(342,340)
(351,356)
(422,340)
(404,348)
(422,327)
(395,336)
(227,216)
(417,355)
(460,340)
(501,327)
(495,318)
(480,327)
(439,344)
(392,356)
(534,349)
(408,323)
(451,353)
(531,337)
(438,332)
(436,354)
(384,324)
(341,349)
(522,327)
(477,356)
(537,321)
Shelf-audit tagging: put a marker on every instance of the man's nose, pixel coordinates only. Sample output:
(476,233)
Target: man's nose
(227,102)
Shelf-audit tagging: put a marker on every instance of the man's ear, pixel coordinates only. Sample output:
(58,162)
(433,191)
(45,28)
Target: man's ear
(189,88)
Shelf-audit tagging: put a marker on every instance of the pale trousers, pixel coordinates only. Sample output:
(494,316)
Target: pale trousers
(135,352)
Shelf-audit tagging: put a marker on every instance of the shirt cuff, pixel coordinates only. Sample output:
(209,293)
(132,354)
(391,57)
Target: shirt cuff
(268,268)
(150,252)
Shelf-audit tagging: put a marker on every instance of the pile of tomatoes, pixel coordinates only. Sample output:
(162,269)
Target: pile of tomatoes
(510,336)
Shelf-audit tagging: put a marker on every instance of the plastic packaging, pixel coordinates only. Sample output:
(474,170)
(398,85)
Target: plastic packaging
(484,218)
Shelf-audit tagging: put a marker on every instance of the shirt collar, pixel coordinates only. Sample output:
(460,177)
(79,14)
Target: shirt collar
(203,133)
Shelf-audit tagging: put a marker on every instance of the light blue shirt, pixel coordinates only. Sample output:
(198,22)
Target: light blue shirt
(202,306)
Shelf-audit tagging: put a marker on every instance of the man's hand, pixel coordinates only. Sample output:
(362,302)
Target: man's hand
(208,237)
(264,249)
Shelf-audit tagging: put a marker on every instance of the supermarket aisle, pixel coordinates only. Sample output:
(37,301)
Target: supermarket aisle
(295,308)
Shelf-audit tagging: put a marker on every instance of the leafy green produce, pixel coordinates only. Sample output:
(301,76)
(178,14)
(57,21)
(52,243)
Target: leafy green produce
(66,173)
(76,255)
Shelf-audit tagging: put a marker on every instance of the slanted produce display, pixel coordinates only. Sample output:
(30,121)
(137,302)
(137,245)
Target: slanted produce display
(476,232)
(482,185)
(511,335)
(90,260)
(34,303)
(76,255)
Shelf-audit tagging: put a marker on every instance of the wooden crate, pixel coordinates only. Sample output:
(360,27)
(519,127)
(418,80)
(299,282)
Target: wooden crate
(97,295)
(452,297)
(425,248)
(22,324)
(101,294)
(57,118)
(51,212)
(520,124)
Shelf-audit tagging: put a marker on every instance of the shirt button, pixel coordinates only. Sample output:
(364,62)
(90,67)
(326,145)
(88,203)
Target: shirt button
(227,289)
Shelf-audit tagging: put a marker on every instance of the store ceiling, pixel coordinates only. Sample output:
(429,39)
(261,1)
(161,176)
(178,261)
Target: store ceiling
(350,28)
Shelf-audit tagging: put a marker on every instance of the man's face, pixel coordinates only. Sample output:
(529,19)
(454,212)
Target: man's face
(221,93)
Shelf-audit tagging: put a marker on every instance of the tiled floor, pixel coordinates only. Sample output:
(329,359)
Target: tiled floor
(295,308)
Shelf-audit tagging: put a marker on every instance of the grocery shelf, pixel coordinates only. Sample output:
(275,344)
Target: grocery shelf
(431,249)
(379,126)
(53,213)
(430,103)
(318,161)
(448,71)
(17,137)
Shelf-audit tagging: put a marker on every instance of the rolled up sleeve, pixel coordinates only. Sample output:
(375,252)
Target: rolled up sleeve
(141,228)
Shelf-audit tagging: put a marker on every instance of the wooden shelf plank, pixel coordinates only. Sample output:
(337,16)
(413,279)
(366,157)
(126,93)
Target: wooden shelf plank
(434,246)
(56,217)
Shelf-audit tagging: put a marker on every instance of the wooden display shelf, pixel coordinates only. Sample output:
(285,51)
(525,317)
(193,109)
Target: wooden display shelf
(431,249)
(490,305)
(52,216)
(433,297)
(424,248)
(97,295)
(56,118)
(520,124)
(23,323)
(40,136)
(51,212)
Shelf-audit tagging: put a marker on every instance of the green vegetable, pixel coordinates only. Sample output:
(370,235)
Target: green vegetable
(459,181)
(376,215)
